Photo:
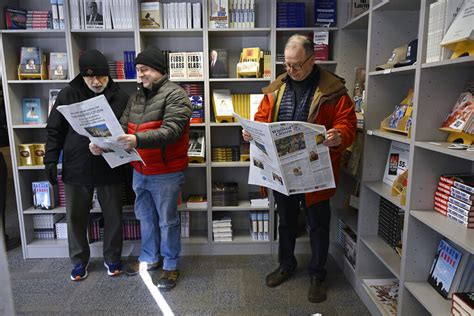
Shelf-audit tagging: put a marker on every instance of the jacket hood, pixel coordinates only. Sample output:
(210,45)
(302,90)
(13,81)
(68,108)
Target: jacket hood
(329,83)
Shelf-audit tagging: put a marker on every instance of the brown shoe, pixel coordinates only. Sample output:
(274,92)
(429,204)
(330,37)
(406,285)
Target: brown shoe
(132,268)
(317,291)
(168,279)
(278,276)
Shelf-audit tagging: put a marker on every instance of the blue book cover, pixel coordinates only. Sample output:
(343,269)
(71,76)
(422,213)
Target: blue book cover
(32,111)
(325,13)
(43,197)
(444,267)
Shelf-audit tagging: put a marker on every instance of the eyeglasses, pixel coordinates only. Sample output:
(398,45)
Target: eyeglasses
(296,67)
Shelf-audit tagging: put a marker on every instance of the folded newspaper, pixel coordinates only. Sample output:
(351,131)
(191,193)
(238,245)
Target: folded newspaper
(289,157)
(94,118)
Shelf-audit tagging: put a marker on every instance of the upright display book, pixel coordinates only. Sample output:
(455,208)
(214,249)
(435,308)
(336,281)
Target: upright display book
(196,149)
(177,62)
(52,96)
(462,28)
(32,111)
(194,65)
(30,60)
(94,13)
(461,116)
(43,195)
(321,45)
(15,18)
(384,292)
(218,14)
(325,13)
(444,268)
(151,15)
(223,106)
(397,161)
(58,66)
(218,63)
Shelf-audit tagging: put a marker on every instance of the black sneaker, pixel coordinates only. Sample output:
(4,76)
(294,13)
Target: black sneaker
(168,279)
(79,272)
(317,291)
(278,276)
(132,268)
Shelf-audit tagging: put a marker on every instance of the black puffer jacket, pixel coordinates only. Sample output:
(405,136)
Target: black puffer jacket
(80,167)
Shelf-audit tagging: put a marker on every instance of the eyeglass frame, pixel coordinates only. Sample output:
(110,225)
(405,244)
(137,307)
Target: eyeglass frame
(296,67)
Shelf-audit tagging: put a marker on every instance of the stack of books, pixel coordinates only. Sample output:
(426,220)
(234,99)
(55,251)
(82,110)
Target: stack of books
(39,19)
(225,153)
(463,304)
(454,198)
(225,194)
(131,227)
(222,228)
(390,223)
(116,69)
(197,201)
(259,225)
(44,225)
(61,229)
(257,200)
(195,93)
(290,14)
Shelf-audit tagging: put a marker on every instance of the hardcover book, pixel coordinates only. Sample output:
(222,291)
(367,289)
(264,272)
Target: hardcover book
(397,161)
(321,45)
(194,67)
(30,60)
(465,301)
(43,196)
(325,13)
(177,63)
(32,112)
(15,18)
(444,267)
(196,149)
(151,15)
(223,106)
(58,66)
(218,14)
(94,14)
(218,63)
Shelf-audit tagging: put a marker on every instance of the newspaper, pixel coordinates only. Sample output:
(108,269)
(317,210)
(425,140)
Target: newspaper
(289,157)
(94,118)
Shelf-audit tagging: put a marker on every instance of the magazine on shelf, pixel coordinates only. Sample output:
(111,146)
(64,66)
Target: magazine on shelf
(444,267)
(94,119)
(384,293)
(461,116)
(289,157)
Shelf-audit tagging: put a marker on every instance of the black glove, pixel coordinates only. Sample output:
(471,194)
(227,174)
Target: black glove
(51,171)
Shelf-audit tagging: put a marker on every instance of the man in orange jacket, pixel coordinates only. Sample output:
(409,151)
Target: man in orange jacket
(310,94)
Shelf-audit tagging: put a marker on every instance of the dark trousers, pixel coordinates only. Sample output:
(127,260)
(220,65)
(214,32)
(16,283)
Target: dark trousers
(3,193)
(78,204)
(318,217)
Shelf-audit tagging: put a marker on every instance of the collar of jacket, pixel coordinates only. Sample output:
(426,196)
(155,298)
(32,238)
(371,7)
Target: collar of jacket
(78,83)
(156,85)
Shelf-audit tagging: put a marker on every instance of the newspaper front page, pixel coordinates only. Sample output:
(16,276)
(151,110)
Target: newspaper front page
(94,119)
(289,157)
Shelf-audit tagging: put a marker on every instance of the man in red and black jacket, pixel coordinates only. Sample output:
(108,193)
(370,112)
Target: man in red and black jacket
(157,122)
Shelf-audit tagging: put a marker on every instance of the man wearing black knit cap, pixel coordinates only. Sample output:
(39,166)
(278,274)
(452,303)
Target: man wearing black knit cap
(157,122)
(82,172)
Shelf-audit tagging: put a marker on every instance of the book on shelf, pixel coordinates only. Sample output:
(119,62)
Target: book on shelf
(197,102)
(400,120)
(255,100)
(350,245)
(325,13)
(30,60)
(151,14)
(184,217)
(52,96)
(38,153)
(43,195)
(359,88)
(197,201)
(397,161)
(194,65)
(61,229)
(358,7)
(384,293)
(321,45)
(443,270)
(218,14)
(290,14)
(223,106)
(94,14)
(462,27)
(15,18)
(177,64)
(58,66)
(464,303)
(461,117)
(218,63)
(196,148)
(32,111)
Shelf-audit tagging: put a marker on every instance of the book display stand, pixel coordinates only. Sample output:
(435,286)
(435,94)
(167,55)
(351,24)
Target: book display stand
(42,75)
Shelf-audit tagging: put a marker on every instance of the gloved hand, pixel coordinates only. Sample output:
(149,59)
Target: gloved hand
(51,171)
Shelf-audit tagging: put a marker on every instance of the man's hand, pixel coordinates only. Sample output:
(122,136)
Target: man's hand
(95,150)
(246,135)
(51,172)
(129,141)
(333,138)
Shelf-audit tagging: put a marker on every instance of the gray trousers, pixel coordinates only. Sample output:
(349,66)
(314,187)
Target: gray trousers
(78,204)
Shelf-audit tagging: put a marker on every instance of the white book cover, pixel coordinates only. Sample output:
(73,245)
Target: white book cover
(218,14)
(93,11)
(196,15)
(255,100)
(177,63)
(397,161)
(462,27)
(189,16)
(195,66)
(222,100)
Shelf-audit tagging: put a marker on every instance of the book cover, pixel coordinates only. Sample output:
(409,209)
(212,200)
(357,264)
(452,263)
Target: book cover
(444,267)
(384,292)
(223,107)
(218,14)
(397,161)
(197,103)
(359,88)
(461,29)
(194,67)
(43,196)
(38,153)
(196,148)
(32,112)
(58,66)
(151,15)
(30,60)
(325,13)
(465,300)
(25,152)
(321,45)
(53,95)
(177,63)
(359,7)
(460,114)
(93,11)
(15,18)
(218,63)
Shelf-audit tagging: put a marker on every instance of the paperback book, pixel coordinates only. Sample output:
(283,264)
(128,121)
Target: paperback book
(444,268)
(32,111)
(43,195)
(58,66)
(30,60)
(384,292)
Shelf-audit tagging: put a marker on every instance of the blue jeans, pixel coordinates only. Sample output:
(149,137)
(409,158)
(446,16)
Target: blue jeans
(156,206)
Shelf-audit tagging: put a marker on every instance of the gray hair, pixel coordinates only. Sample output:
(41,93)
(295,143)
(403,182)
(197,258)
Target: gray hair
(299,40)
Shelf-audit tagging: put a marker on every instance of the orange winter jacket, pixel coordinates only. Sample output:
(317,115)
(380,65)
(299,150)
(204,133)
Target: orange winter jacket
(331,106)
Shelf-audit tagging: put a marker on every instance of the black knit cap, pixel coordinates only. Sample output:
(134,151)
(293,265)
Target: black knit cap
(152,57)
(93,63)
